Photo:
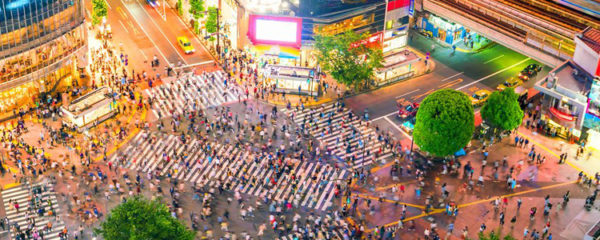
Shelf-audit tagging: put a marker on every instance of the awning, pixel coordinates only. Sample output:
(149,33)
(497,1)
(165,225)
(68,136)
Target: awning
(561,115)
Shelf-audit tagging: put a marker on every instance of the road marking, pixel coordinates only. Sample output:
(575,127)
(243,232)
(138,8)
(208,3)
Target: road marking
(554,154)
(515,194)
(491,60)
(195,64)
(143,54)
(424,94)
(123,26)
(408,93)
(88,13)
(494,74)
(452,83)
(388,200)
(398,128)
(389,114)
(161,32)
(448,78)
(122,13)
(107,4)
(146,33)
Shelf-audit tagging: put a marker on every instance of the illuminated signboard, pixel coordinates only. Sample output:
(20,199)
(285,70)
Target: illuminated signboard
(374,40)
(344,25)
(284,31)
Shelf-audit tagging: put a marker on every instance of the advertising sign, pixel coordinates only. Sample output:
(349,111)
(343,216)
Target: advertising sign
(411,8)
(284,31)
(374,40)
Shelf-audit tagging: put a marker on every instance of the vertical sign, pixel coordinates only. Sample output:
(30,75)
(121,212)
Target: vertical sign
(411,8)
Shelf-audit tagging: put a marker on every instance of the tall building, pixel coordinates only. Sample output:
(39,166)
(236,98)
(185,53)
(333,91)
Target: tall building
(42,43)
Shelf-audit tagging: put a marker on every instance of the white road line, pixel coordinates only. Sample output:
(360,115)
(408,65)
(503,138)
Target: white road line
(491,60)
(147,35)
(195,64)
(123,26)
(161,32)
(143,54)
(387,115)
(494,74)
(408,93)
(106,1)
(448,78)
(398,128)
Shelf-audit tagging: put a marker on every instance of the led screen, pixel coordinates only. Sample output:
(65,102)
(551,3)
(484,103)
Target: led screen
(273,30)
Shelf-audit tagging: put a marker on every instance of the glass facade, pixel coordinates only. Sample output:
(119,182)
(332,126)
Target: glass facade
(40,44)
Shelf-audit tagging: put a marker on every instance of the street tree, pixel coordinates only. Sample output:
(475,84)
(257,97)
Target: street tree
(494,236)
(99,10)
(197,12)
(444,122)
(502,110)
(350,65)
(211,21)
(140,218)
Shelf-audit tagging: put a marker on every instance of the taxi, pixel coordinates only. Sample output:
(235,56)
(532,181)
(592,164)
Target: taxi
(480,97)
(512,82)
(185,45)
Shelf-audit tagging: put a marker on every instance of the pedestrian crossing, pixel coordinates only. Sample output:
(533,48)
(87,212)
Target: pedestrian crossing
(333,235)
(306,184)
(342,133)
(192,92)
(30,199)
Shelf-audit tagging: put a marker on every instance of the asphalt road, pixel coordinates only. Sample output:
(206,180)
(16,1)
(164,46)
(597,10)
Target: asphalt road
(144,33)
(468,72)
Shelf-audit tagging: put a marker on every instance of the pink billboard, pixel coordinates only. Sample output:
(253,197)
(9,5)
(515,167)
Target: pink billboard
(272,30)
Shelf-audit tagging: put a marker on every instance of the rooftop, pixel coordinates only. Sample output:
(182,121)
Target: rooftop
(591,37)
(571,81)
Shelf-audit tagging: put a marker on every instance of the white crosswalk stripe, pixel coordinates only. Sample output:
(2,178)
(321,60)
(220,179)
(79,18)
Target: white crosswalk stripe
(333,127)
(192,92)
(305,184)
(47,200)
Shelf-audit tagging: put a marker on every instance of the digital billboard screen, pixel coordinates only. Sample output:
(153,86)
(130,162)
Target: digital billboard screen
(284,31)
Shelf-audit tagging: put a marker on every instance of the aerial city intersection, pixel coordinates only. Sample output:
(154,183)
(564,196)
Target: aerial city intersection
(299,119)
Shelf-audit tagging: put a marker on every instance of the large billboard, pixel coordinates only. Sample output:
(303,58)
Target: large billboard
(283,31)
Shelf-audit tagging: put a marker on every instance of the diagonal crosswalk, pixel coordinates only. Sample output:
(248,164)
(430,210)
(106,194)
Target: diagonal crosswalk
(30,199)
(305,184)
(343,133)
(192,92)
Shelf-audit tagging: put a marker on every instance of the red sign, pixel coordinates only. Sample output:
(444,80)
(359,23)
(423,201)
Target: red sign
(374,40)
(561,115)
(395,4)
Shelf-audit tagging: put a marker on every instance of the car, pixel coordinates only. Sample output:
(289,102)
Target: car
(409,125)
(408,110)
(185,45)
(479,97)
(512,82)
(153,3)
(534,68)
(526,74)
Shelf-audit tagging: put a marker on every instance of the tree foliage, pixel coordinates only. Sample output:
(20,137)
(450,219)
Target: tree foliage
(445,122)
(502,110)
(99,10)
(139,218)
(197,8)
(347,65)
(494,236)
(211,20)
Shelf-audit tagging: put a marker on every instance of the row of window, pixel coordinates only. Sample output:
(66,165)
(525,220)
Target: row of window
(34,21)
(41,57)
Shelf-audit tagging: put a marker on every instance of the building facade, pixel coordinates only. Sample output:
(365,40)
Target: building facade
(42,43)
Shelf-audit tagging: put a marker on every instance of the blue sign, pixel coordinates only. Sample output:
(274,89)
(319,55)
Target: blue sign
(411,8)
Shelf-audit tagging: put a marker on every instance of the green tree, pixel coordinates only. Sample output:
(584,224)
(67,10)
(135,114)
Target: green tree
(211,20)
(502,110)
(99,10)
(352,66)
(139,218)
(179,6)
(494,236)
(445,122)
(197,11)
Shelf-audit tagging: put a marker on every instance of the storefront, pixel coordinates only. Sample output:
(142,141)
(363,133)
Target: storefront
(275,39)
(228,20)
(449,33)
(289,79)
